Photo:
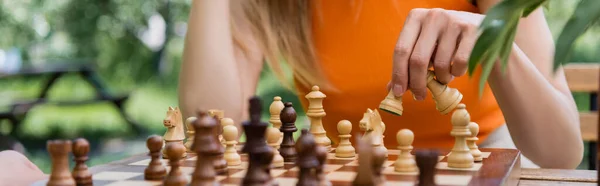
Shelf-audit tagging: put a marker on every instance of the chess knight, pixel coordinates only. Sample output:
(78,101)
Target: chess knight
(374,127)
(174,124)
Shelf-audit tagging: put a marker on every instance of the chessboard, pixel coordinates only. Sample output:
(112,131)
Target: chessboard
(499,167)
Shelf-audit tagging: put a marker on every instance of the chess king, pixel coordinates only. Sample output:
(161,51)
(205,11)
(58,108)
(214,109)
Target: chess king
(174,124)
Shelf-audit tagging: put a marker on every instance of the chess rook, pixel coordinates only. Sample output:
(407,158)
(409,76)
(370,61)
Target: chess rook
(175,133)
(345,148)
(59,153)
(175,176)
(260,154)
(446,98)
(315,113)
(273,138)
(472,141)
(405,161)
(81,148)
(288,127)
(392,104)
(230,134)
(189,132)
(205,146)
(426,163)
(460,157)
(155,169)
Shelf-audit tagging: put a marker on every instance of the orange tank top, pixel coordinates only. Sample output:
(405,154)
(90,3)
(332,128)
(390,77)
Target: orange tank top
(354,41)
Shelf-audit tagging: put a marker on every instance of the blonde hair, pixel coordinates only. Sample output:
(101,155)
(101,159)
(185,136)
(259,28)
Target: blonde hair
(282,30)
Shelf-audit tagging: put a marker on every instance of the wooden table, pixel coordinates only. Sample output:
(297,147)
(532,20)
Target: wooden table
(558,177)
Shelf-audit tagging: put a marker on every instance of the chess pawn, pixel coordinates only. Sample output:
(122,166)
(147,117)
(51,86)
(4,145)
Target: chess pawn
(59,153)
(315,113)
(446,98)
(460,156)
(82,176)
(472,141)
(190,132)
(155,169)
(226,122)
(392,104)
(230,133)
(345,148)
(405,161)
(175,177)
(273,136)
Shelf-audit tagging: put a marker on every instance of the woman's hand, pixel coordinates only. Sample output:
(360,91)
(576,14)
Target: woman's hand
(432,37)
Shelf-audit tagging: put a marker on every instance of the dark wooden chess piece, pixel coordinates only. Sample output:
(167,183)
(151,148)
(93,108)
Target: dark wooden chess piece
(155,170)
(204,144)
(364,176)
(288,127)
(175,177)
(59,153)
(260,154)
(219,159)
(379,157)
(81,148)
(426,161)
(307,161)
(321,153)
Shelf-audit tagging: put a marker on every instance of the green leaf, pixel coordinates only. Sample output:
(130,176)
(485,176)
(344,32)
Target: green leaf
(487,69)
(484,43)
(587,12)
(508,43)
(535,5)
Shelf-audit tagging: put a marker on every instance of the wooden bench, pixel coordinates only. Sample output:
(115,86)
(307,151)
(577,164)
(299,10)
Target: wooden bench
(18,110)
(585,78)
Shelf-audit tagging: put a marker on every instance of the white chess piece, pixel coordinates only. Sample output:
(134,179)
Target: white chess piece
(460,157)
(230,134)
(273,135)
(345,148)
(472,141)
(406,161)
(225,122)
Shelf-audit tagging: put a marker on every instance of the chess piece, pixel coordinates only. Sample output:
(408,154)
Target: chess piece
(288,127)
(364,174)
(155,170)
(321,153)
(260,154)
(307,160)
(460,156)
(345,148)
(175,133)
(59,153)
(392,104)
(377,163)
(205,145)
(230,133)
(426,163)
(211,148)
(405,161)
(374,127)
(472,141)
(190,133)
(226,122)
(275,111)
(175,176)
(315,113)
(81,148)
(219,115)
(273,136)
(446,98)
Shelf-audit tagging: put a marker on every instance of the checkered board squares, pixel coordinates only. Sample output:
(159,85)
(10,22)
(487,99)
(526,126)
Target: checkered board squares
(340,171)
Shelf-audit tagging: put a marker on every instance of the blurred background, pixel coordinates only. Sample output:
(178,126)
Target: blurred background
(135,48)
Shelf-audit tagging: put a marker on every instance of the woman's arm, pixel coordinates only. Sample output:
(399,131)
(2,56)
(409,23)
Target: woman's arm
(214,73)
(540,112)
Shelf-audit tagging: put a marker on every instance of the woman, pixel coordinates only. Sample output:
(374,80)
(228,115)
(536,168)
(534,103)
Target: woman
(358,50)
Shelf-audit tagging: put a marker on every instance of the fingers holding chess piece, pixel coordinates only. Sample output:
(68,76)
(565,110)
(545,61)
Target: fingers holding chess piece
(230,134)
(81,148)
(406,161)
(175,176)
(472,141)
(446,98)
(345,148)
